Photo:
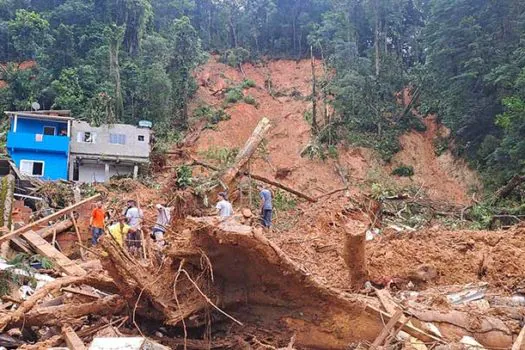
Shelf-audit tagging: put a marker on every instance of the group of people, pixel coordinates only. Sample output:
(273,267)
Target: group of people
(225,209)
(127,230)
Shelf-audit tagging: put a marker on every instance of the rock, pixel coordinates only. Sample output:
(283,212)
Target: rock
(247,213)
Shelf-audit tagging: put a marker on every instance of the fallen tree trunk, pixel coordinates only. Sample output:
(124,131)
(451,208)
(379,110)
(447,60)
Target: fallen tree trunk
(61,226)
(506,190)
(283,187)
(71,313)
(246,152)
(277,290)
(52,287)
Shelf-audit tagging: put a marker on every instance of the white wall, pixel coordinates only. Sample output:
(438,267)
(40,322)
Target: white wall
(95,172)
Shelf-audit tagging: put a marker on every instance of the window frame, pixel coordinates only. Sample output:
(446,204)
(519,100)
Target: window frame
(50,127)
(83,138)
(32,167)
(143,138)
(118,137)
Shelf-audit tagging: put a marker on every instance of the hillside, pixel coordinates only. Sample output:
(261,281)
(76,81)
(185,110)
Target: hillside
(443,178)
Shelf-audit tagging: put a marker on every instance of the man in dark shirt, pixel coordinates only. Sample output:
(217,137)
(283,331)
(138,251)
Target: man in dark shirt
(266,206)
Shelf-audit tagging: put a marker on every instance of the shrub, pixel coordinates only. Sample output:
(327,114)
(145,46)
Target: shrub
(224,156)
(184,177)
(248,83)
(236,57)
(250,100)
(440,145)
(234,95)
(404,170)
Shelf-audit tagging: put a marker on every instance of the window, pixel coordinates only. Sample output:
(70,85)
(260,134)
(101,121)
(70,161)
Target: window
(49,130)
(141,138)
(117,139)
(86,137)
(32,167)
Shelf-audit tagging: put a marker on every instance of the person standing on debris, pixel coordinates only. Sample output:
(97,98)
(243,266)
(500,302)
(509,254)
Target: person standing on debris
(120,230)
(266,206)
(134,216)
(163,220)
(96,223)
(224,206)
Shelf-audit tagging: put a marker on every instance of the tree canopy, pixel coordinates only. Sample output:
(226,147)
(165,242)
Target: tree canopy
(126,60)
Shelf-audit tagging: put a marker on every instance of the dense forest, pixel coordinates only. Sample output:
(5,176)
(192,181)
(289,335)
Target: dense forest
(126,60)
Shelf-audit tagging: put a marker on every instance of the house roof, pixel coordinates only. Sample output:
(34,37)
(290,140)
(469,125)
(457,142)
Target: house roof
(44,115)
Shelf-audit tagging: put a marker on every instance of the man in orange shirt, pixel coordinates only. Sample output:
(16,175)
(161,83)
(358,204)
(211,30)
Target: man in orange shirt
(96,223)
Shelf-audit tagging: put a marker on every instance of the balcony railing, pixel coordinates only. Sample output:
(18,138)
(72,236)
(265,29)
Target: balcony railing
(37,142)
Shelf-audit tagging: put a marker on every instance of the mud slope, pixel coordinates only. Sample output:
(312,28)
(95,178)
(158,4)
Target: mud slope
(441,177)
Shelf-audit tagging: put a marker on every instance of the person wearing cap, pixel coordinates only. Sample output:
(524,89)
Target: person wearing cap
(163,220)
(119,230)
(224,207)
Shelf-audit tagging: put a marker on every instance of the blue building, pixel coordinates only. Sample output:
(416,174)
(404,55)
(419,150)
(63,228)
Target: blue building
(38,143)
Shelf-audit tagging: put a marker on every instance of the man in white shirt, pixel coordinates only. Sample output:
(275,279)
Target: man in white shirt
(134,216)
(223,206)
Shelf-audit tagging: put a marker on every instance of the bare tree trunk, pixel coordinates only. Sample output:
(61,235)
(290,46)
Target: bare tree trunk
(8,203)
(315,127)
(355,258)
(246,152)
(376,38)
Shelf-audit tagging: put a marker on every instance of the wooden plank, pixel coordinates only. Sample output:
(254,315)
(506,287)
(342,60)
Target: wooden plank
(73,341)
(80,292)
(48,218)
(74,221)
(386,330)
(43,248)
(518,343)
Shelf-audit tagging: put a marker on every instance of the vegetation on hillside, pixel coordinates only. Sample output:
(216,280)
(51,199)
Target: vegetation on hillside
(128,60)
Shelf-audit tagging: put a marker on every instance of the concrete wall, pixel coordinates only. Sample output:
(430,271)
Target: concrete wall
(91,172)
(55,164)
(133,148)
(33,126)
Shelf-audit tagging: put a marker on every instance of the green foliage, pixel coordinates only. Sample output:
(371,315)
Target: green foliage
(213,115)
(248,83)
(282,201)
(29,32)
(235,57)
(234,95)
(224,156)
(440,145)
(251,100)
(184,177)
(404,170)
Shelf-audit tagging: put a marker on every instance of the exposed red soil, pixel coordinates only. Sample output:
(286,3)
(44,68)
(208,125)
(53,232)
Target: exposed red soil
(21,66)
(443,178)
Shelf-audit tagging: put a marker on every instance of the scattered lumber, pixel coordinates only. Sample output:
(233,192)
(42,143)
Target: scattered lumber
(73,341)
(59,227)
(52,287)
(48,218)
(386,331)
(519,343)
(246,152)
(43,248)
(72,313)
